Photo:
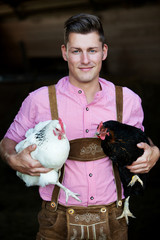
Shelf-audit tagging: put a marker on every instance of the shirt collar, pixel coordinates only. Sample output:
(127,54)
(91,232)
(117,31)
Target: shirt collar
(73,89)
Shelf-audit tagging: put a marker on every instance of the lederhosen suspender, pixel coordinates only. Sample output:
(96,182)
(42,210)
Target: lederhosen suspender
(79,147)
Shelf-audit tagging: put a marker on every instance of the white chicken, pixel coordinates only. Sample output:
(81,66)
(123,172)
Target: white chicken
(52,151)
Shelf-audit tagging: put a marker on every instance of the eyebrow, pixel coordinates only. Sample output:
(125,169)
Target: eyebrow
(80,48)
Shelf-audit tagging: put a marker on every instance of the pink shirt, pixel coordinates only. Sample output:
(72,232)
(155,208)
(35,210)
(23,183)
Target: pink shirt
(94,180)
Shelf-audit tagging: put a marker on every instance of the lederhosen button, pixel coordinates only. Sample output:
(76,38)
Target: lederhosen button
(53,205)
(103,210)
(119,203)
(71,211)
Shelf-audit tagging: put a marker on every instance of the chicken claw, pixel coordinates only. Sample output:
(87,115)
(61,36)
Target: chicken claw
(126,212)
(72,194)
(135,178)
(68,192)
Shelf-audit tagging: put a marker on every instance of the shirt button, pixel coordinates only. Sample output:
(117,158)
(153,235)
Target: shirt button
(87,130)
(79,91)
(87,108)
(92,198)
(90,174)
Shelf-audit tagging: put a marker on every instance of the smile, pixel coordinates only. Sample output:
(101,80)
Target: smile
(86,69)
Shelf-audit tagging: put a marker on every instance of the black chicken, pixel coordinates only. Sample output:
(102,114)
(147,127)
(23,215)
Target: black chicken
(119,143)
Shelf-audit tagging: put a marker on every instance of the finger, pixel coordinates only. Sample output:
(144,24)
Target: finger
(30,148)
(141,167)
(136,167)
(140,171)
(143,145)
(140,161)
(35,164)
(38,171)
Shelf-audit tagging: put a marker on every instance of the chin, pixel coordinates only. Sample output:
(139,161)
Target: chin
(87,78)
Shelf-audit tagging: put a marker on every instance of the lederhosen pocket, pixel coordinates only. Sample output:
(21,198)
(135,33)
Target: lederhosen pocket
(88,223)
(96,223)
(52,224)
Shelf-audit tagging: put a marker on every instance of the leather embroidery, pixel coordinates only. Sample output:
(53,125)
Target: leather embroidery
(87,217)
(91,149)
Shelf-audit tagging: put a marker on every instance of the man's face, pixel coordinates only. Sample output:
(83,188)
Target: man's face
(84,54)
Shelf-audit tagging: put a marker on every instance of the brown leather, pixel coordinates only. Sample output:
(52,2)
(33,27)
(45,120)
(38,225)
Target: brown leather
(54,115)
(53,225)
(53,101)
(118,185)
(56,191)
(119,103)
(86,149)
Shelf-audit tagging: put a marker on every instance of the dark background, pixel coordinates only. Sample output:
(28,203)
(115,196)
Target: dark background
(31,33)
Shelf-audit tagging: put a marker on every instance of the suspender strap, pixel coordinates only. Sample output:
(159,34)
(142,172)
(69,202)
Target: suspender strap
(118,185)
(119,103)
(119,107)
(54,114)
(53,101)
(56,191)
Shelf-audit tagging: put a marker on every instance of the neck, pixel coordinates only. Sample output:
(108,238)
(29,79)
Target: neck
(89,88)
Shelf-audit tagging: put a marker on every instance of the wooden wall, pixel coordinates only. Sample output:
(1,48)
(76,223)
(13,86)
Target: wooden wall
(133,37)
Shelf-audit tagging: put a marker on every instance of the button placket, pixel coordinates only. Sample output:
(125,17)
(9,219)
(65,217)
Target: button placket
(91,182)
(87,121)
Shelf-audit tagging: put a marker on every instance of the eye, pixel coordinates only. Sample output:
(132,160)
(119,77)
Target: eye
(92,51)
(76,51)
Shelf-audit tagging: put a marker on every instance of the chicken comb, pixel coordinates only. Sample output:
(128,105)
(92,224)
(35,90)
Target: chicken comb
(61,124)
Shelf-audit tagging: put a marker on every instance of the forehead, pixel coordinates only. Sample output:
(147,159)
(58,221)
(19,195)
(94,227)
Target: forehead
(88,40)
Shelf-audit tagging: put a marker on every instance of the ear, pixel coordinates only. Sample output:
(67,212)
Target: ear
(105,52)
(64,52)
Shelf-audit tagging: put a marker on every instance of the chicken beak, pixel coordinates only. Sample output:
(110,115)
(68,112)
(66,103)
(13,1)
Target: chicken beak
(97,134)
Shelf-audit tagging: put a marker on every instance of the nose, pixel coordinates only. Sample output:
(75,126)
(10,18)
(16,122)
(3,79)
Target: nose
(85,58)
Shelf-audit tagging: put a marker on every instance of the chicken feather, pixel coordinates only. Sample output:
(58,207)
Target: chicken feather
(119,143)
(52,151)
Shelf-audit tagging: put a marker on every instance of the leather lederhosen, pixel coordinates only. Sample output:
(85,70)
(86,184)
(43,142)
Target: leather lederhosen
(93,222)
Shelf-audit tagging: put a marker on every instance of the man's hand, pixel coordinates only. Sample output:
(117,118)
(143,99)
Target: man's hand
(149,158)
(22,161)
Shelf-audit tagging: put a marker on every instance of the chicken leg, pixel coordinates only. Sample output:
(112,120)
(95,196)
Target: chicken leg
(52,177)
(68,192)
(135,179)
(126,212)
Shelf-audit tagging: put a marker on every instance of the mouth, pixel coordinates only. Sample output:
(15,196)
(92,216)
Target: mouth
(85,69)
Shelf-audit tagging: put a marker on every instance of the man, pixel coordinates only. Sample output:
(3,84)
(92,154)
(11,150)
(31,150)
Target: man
(84,100)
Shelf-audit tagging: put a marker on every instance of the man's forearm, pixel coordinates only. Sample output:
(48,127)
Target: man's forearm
(7,150)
